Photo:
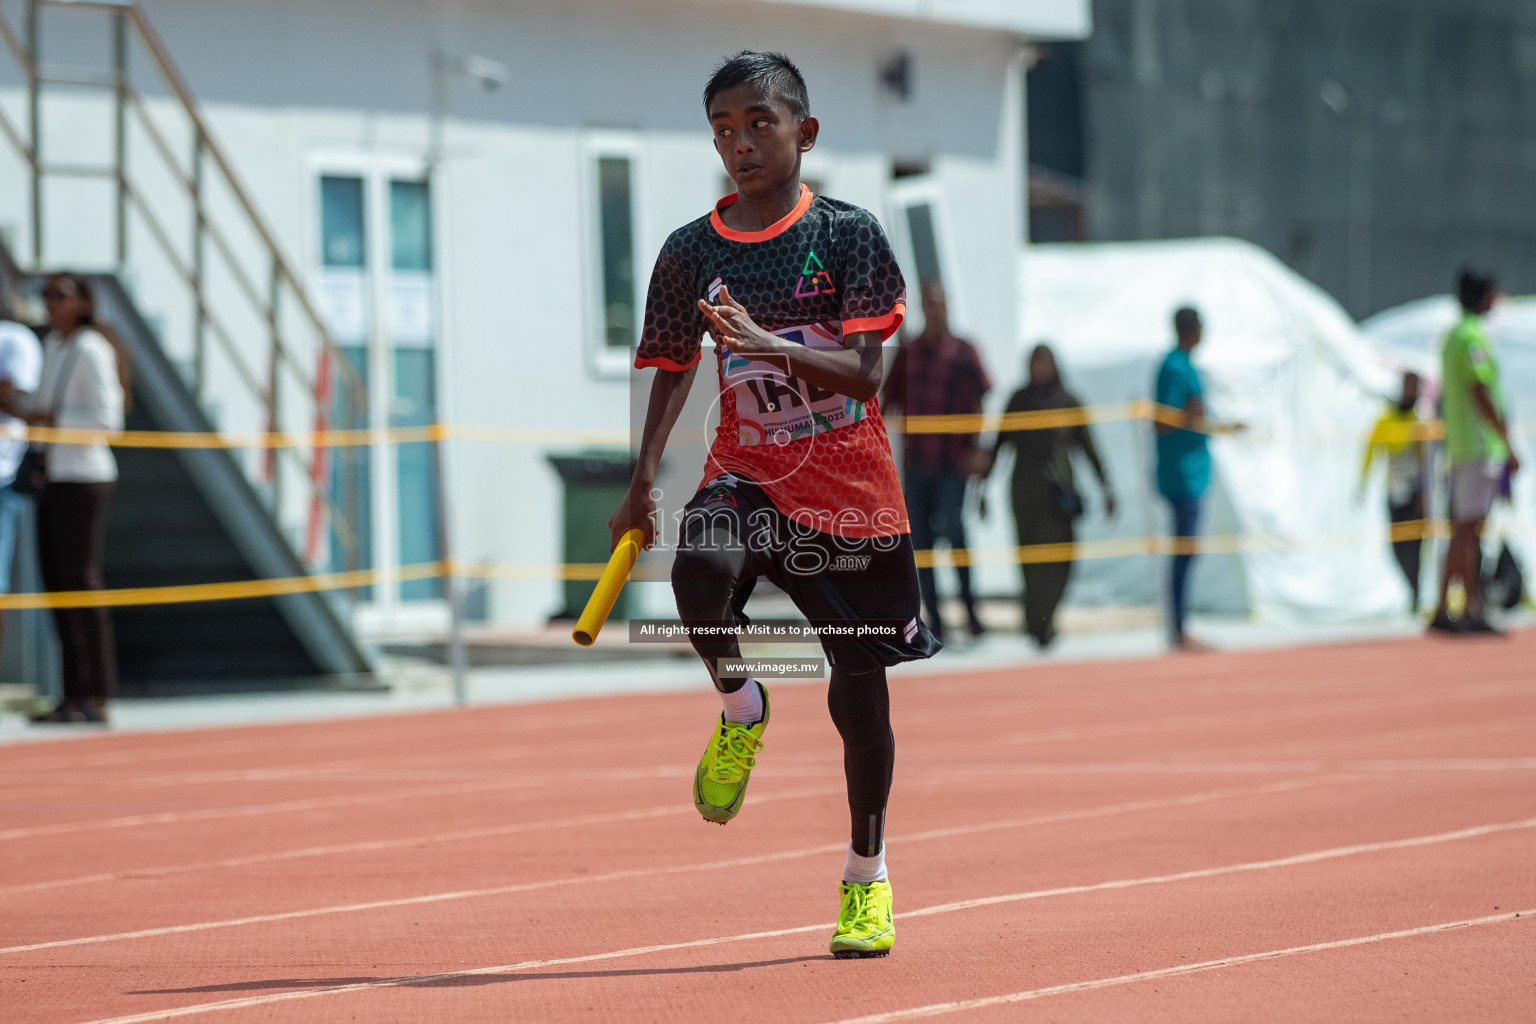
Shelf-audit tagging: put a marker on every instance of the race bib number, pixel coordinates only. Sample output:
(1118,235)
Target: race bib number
(773,407)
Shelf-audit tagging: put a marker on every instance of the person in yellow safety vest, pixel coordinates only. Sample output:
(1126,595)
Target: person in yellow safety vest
(1398,436)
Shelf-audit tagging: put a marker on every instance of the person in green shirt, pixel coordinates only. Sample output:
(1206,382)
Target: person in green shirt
(1477,447)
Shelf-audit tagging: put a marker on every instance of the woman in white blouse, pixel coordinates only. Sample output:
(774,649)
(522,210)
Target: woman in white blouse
(79,388)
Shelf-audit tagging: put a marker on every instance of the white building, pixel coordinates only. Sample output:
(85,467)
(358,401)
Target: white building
(502,286)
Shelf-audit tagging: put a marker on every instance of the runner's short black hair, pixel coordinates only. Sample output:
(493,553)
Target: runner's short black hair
(772,72)
(1186,321)
(1473,287)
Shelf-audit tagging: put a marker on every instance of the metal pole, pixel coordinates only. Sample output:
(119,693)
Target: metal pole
(1150,499)
(275,390)
(451,590)
(199,224)
(35,129)
(120,73)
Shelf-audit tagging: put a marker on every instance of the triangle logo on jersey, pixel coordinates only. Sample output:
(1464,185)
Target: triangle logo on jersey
(814,279)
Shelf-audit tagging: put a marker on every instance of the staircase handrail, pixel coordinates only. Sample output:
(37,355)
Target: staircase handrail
(334,369)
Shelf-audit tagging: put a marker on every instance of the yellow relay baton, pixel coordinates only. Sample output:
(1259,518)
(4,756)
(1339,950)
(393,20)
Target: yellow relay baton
(608,586)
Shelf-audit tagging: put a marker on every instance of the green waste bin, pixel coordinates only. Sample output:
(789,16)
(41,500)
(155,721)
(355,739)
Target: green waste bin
(595,481)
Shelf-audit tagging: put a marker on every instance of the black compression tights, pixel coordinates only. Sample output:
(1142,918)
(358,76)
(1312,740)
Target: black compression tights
(861,710)
(704,580)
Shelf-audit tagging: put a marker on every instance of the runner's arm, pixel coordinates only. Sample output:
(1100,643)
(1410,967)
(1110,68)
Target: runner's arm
(669,392)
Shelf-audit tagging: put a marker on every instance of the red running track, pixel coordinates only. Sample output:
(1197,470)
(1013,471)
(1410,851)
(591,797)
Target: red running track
(1337,833)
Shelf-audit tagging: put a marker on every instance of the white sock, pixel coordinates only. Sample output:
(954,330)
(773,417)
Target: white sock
(864,870)
(745,705)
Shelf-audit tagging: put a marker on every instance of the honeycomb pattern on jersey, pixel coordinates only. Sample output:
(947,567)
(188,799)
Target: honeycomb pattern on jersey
(847,470)
(764,276)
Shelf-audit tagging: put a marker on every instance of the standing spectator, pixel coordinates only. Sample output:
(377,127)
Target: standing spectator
(1396,437)
(1183,460)
(937,374)
(21,359)
(1045,496)
(1043,488)
(80,388)
(1477,447)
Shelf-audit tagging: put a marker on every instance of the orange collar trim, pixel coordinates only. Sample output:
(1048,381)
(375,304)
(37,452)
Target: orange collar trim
(773,230)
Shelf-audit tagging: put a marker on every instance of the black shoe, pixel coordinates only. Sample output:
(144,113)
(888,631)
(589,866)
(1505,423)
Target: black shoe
(69,713)
(1478,624)
(63,712)
(1443,623)
(974,624)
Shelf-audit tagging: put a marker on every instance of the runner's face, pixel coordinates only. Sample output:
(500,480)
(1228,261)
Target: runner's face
(758,139)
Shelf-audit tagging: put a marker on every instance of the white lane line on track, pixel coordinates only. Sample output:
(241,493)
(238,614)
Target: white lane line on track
(1313,857)
(198,1009)
(327,734)
(1259,715)
(938,1009)
(27,780)
(319,803)
(918,773)
(942,833)
(922,772)
(326,774)
(584,718)
(944,908)
(376,775)
(1483,729)
(365,846)
(26,784)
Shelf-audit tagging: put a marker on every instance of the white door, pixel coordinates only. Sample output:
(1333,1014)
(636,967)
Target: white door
(376,282)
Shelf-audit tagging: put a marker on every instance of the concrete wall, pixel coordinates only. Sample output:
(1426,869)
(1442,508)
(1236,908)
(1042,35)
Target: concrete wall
(1374,145)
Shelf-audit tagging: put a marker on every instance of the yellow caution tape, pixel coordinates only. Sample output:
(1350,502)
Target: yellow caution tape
(1117,547)
(964,423)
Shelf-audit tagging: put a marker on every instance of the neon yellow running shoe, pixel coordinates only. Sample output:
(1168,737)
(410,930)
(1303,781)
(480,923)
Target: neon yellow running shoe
(864,925)
(720,784)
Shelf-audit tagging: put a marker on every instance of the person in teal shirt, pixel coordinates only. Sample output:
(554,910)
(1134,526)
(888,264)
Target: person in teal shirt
(1477,447)
(1183,459)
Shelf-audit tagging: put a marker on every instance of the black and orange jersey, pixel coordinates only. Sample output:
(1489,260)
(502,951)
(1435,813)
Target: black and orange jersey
(821,273)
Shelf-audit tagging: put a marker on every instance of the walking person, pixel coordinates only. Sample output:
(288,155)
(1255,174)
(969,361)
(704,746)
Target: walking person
(1396,438)
(1046,501)
(939,374)
(1477,448)
(80,389)
(1183,461)
(21,360)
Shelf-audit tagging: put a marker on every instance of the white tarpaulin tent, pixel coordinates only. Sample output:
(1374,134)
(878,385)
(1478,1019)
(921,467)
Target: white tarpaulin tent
(1409,337)
(1279,355)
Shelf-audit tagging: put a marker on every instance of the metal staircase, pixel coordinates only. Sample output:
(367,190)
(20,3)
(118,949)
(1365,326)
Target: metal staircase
(223,337)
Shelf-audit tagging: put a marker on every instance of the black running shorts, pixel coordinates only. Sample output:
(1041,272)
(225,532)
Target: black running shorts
(837,583)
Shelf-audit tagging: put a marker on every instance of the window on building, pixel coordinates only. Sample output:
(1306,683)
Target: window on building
(343,290)
(925,244)
(410,226)
(342,241)
(616,230)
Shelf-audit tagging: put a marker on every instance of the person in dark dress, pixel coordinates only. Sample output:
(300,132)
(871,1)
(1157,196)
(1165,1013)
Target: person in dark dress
(1046,501)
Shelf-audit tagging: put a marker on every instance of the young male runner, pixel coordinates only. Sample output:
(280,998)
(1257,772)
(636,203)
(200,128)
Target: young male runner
(798,292)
